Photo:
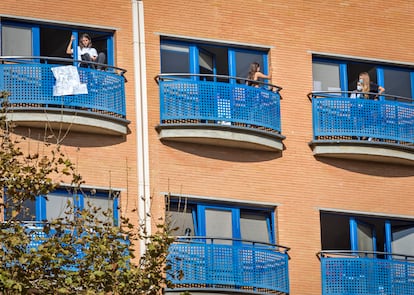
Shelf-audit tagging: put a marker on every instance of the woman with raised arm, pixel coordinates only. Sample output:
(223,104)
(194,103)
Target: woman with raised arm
(85,51)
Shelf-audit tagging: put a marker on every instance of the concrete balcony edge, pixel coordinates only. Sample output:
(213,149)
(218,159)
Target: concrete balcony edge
(221,135)
(366,151)
(76,120)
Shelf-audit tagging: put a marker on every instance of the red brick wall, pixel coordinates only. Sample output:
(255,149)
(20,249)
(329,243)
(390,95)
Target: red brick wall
(102,160)
(297,180)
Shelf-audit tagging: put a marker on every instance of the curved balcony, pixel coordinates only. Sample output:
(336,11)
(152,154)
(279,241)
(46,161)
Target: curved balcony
(363,273)
(217,110)
(46,91)
(200,264)
(363,129)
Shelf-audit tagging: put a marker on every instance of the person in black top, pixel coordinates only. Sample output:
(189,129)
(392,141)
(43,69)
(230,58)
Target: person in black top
(371,89)
(255,74)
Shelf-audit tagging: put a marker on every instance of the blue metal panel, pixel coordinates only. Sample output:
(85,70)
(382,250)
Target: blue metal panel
(75,46)
(110,50)
(233,267)
(235,213)
(40,208)
(35,41)
(232,64)
(343,76)
(32,84)
(115,211)
(366,276)
(194,63)
(380,78)
(388,237)
(219,103)
(271,229)
(362,118)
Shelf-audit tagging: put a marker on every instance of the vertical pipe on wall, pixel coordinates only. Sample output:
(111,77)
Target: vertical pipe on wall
(141,118)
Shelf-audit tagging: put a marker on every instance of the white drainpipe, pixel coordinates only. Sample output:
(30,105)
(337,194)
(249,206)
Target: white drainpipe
(144,197)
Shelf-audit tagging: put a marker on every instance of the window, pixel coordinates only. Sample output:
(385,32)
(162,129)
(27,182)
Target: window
(16,40)
(326,76)
(211,59)
(27,211)
(57,205)
(342,75)
(19,38)
(366,233)
(221,222)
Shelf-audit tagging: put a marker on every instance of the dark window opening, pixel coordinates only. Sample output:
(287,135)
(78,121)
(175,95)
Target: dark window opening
(354,69)
(18,39)
(370,233)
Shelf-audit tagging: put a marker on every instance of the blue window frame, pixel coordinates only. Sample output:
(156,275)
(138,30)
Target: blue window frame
(20,38)
(342,75)
(221,222)
(55,204)
(206,58)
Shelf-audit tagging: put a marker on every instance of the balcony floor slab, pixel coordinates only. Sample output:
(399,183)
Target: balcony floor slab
(225,135)
(365,151)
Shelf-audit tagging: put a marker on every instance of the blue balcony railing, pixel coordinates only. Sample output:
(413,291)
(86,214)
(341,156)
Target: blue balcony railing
(30,82)
(366,273)
(337,116)
(218,100)
(234,265)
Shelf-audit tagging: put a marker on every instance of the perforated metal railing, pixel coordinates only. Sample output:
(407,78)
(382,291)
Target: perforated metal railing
(218,100)
(30,82)
(337,116)
(366,273)
(234,265)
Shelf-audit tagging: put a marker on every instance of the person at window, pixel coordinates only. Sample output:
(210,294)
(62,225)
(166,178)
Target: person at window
(357,93)
(86,52)
(255,75)
(371,90)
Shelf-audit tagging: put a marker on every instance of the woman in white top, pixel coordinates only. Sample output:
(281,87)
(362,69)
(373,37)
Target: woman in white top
(86,52)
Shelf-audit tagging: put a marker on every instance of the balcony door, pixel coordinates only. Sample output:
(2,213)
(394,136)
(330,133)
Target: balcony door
(218,224)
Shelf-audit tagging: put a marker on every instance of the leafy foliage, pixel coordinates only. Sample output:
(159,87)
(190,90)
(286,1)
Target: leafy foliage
(77,254)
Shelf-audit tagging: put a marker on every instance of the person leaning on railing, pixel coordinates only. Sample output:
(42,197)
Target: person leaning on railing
(255,74)
(86,52)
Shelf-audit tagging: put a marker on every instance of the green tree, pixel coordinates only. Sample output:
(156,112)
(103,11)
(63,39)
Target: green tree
(83,254)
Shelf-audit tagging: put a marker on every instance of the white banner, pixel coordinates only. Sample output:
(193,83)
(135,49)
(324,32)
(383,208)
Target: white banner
(67,81)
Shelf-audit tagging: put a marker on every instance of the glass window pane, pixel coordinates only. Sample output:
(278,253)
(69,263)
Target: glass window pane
(325,77)
(182,223)
(219,225)
(206,63)
(27,213)
(103,203)
(397,82)
(174,59)
(243,61)
(254,227)
(403,241)
(57,206)
(16,41)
